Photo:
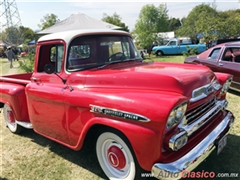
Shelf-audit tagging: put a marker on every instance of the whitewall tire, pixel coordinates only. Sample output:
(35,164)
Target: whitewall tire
(115,157)
(10,120)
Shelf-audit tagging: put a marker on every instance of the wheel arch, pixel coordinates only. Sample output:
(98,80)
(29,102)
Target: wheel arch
(144,139)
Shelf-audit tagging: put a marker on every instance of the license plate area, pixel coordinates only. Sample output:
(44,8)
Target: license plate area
(221,144)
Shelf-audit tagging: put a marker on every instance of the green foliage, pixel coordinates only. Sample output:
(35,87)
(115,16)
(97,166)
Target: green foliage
(17,35)
(151,20)
(48,20)
(115,20)
(26,34)
(190,51)
(174,24)
(230,25)
(202,19)
(213,25)
(27,64)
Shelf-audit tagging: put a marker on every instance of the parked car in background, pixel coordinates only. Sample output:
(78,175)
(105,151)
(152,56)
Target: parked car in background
(23,54)
(224,57)
(176,46)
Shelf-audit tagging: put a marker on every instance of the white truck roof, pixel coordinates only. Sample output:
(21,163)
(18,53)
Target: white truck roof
(67,36)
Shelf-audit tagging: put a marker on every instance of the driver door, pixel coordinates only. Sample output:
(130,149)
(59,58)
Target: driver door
(45,94)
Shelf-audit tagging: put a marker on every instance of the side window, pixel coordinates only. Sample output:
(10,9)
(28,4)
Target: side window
(236,52)
(59,55)
(56,56)
(173,43)
(214,54)
(51,54)
(231,54)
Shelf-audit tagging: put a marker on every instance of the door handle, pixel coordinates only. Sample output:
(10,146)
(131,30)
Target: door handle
(220,64)
(36,80)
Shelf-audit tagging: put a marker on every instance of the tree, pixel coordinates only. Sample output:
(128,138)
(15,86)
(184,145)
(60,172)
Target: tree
(48,20)
(174,24)
(151,21)
(18,35)
(115,20)
(231,20)
(204,20)
(26,34)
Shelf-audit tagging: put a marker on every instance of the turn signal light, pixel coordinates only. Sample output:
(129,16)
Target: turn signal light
(178,141)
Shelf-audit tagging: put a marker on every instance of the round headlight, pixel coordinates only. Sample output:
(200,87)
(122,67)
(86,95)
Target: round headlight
(176,115)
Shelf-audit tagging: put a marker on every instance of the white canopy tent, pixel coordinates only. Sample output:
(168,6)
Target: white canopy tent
(78,21)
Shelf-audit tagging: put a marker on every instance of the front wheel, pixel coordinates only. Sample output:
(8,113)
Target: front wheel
(10,120)
(115,157)
(159,53)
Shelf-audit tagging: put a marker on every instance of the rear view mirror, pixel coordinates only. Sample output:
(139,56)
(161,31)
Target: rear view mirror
(49,69)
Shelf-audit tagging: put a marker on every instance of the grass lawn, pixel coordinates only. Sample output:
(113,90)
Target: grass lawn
(5,67)
(30,156)
(172,59)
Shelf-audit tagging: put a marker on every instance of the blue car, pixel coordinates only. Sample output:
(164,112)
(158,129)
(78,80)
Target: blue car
(174,46)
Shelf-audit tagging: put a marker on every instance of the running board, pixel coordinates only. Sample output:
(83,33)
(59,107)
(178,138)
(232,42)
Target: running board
(25,124)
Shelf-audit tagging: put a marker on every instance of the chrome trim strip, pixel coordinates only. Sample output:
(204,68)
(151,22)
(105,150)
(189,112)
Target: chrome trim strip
(192,127)
(235,89)
(205,90)
(199,110)
(194,157)
(235,82)
(118,113)
(25,124)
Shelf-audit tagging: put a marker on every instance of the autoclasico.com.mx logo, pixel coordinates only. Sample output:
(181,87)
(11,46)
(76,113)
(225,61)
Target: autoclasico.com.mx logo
(197,175)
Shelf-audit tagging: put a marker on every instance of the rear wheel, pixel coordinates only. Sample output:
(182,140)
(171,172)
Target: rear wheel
(10,120)
(115,157)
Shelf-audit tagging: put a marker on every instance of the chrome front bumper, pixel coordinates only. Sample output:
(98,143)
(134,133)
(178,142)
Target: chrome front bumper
(174,170)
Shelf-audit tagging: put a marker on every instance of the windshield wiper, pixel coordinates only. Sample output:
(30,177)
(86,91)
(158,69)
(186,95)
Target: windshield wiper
(113,62)
(83,68)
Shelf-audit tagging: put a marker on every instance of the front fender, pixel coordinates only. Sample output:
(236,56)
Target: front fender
(146,143)
(160,48)
(222,77)
(144,137)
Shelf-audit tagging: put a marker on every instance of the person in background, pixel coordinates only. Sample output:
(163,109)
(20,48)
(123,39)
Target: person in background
(10,55)
(15,51)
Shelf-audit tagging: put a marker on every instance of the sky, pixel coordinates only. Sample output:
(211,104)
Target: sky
(32,11)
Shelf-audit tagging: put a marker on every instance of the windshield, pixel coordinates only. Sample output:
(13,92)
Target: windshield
(93,51)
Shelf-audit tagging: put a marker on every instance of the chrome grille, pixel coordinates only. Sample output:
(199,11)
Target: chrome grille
(198,112)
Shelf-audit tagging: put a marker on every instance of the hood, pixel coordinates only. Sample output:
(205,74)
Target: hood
(170,77)
(190,59)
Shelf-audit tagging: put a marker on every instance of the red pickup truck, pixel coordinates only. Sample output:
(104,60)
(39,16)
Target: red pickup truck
(142,116)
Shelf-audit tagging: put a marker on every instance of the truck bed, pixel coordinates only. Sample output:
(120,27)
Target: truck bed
(17,78)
